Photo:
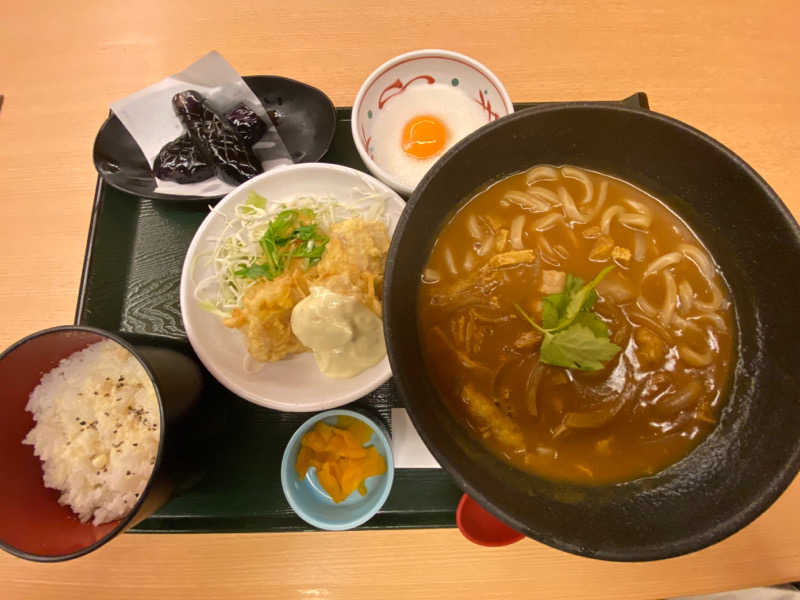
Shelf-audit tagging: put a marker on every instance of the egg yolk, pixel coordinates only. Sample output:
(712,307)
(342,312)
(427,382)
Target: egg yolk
(424,136)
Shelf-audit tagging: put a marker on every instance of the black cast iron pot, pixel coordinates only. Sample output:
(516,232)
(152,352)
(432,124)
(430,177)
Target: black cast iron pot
(752,456)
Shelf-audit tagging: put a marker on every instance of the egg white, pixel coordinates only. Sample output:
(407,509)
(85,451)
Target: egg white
(459,113)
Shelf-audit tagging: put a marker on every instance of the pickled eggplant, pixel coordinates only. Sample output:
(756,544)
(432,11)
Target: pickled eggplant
(216,139)
(247,123)
(182,162)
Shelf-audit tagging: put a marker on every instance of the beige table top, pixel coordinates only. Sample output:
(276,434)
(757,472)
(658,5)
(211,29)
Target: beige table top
(729,68)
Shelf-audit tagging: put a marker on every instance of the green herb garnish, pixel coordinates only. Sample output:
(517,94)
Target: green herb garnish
(257,200)
(574,336)
(291,234)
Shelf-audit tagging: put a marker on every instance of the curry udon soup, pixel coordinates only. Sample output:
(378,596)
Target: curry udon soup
(565,380)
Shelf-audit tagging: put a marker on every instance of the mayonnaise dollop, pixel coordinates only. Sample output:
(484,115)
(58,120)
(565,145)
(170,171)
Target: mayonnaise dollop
(345,336)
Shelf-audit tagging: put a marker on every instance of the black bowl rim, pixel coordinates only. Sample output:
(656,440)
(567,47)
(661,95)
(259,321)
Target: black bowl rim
(762,500)
(125,521)
(206,199)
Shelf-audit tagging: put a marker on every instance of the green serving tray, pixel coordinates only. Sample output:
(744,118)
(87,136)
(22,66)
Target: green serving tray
(130,282)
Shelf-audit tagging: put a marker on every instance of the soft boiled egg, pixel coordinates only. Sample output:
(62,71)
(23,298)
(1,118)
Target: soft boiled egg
(424,136)
(416,126)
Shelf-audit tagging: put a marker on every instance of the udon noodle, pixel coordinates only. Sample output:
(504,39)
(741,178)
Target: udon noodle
(665,305)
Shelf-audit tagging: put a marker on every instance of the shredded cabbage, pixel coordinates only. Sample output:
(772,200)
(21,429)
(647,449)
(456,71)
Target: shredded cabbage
(221,291)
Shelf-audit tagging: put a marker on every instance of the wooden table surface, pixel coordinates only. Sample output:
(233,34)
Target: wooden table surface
(729,68)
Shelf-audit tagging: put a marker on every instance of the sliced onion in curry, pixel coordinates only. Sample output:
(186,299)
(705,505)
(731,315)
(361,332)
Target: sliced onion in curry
(580,175)
(534,379)
(549,197)
(541,173)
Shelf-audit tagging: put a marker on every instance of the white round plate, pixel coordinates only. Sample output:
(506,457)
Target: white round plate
(294,384)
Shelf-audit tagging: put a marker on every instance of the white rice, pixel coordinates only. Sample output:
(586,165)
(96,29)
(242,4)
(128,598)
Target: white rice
(97,430)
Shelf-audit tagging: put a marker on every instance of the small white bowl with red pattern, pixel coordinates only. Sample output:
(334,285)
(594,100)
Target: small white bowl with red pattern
(414,107)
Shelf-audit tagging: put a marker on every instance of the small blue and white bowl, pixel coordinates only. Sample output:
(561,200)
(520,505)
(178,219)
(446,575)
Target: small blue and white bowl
(312,503)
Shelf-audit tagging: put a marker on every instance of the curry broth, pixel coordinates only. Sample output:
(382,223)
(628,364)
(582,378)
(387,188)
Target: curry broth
(652,403)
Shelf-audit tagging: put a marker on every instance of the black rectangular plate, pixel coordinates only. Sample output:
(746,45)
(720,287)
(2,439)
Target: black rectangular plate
(130,284)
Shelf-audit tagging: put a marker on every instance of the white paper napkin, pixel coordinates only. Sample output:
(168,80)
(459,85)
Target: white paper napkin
(408,448)
(149,118)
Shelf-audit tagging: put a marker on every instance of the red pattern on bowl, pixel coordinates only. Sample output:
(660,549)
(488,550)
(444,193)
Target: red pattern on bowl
(422,67)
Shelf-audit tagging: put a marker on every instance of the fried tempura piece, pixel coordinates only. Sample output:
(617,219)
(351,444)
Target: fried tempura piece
(352,265)
(621,254)
(264,318)
(552,281)
(507,259)
(483,410)
(354,260)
